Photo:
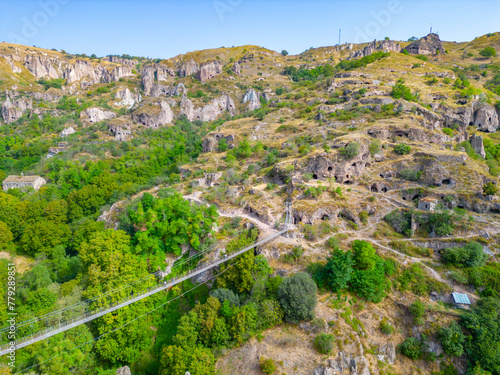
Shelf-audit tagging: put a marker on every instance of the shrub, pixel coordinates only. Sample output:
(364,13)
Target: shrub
(386,327)
(284,53)
(452,339)
(410,175)
(375,146)
(267,365)
(488,52)
(399,91)
(223,294)
(470,255)
(324,343)
(412,348)
(402,149)
(280,91)
(350,151)
(417,309)
(297,296)
(490,188)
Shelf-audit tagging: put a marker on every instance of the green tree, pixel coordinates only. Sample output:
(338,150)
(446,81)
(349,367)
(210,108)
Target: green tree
(413,348)
(452,339)
(177,360)
(223,294)
(488,52)
(297,296)
(43,236)
(284,53)
(5,235)
(402,149)
(338,269)
(222,145)
(267,365)
(469,255)
(364,254)
(371,283)
(350,151)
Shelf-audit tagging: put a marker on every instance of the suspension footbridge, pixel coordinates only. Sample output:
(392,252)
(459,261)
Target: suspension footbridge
(59,324)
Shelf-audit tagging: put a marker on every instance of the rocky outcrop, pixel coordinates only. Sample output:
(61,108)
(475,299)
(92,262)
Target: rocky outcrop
(125,370)
(41,67)
(209,70)
(486,118)
(164,72)
(159,72)
(147,79)
(12,110)
(11,61)
(95,114)
(50,95)
(128,99)
(119,60)
(477,145)
(67,132)
(237,68)
(188,68)
(428,45)
(209,144)
(253,99)
(154,115)
(384,45)
(211,111)
(158,90)
(115,74)
(79,70)
(345,364)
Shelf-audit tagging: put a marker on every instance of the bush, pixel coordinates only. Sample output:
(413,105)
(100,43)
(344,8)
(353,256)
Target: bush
(452,339)
(417,309)
(324,343)
(350,151)
(223,294)
(470,255)
(297,296)
(410,175)
(488,52)
(267,365)
(386,327)
(490,188)
(284,53)
(412,348)
(402,149)
(399,91)
(375,146)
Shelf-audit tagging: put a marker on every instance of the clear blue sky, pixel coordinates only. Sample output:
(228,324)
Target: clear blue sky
(165,28)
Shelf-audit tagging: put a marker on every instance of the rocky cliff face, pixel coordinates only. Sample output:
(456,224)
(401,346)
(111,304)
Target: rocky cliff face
(13,109)
(95,114)
(189,68)
(486,118)
(209,70)
(128,98)
(428,45)
(253,99)
(384,45)
(42,67)
(153,116)
(477,145)
(211,111)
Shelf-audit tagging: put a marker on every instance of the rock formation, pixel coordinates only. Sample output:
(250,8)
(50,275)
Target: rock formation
(189,68)
(41,67)
(486,118)
(128,99)
(253,99)
(155,115)
(209,70)
(477,145)
(384,45)
(209,112)
(125,370)
(237,68)
(12,110)
(428,45)
(95,114)
(209,144)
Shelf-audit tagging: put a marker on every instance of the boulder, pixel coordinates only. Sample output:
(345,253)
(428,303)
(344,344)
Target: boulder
(153,116)
(486,118)
(428,45)
(253,99)
(67,132)
(209,70)
(125,370)
(95,114)
(477,145)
